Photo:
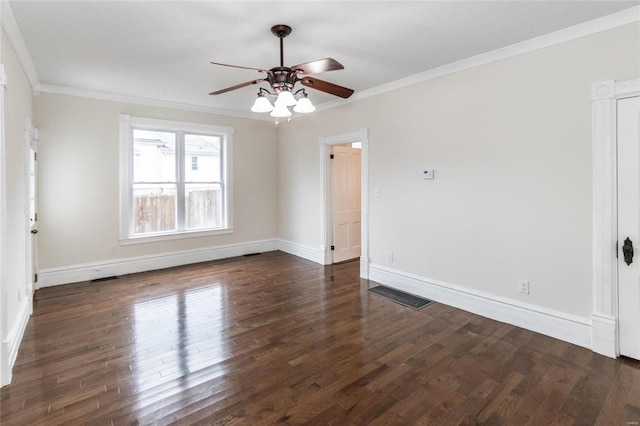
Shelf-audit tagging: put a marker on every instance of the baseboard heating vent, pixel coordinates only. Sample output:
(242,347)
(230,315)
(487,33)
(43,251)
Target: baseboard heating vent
(97,280)
(405,299)
(251,254)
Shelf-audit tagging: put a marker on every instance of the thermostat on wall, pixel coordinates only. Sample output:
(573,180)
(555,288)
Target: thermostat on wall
(427,174)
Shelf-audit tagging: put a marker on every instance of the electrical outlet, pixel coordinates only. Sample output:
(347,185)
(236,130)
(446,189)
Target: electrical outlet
(113,250)
(258,231)
(523,286)
(390,256)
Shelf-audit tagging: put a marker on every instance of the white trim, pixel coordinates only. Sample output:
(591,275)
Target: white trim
(145,239)
(114,97)
(90,271)
(584,29)
(559,325)
(11,343)
(5,371)
(326,142)
(605,211)
(14,35)
(306,252)
(603,335)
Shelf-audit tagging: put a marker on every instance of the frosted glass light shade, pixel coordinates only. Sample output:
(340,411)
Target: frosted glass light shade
(285,98)
(304,106)
(280,111)
(262,104)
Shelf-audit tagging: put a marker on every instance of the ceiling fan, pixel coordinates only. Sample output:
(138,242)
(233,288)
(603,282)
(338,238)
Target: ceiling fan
(283,80)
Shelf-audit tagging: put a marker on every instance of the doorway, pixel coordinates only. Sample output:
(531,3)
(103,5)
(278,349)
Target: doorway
(346,211)
(339,221)
(613,222)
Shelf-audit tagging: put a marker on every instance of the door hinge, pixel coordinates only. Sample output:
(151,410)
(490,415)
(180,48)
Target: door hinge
(616,249)
(35,278)
(333,247)
(35,216)
(35,156)
(331,156)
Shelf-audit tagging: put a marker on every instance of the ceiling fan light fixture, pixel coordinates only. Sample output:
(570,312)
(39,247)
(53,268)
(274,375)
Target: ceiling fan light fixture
(262,104)
(282,81)
(304,105)
(280,111)
(285,99)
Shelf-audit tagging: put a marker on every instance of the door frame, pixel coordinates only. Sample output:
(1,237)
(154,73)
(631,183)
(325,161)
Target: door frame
(604,319)
(5,370)
(326,145)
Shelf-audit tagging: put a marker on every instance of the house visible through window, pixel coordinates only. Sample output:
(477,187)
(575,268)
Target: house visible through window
(178,178)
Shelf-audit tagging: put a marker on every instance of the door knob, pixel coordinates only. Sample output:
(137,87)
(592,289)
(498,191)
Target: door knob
(627,251)
(34,231)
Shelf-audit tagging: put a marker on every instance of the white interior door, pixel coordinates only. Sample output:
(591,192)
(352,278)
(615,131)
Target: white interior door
(347,212)
(32,239)
(629,226)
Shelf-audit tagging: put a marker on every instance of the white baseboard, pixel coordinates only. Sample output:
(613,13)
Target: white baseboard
(364,268)
(306,252)
(603,335)
(570,328)
(11,342)
(91,271)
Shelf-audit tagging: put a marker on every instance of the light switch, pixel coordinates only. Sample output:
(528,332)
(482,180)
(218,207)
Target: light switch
(427,174)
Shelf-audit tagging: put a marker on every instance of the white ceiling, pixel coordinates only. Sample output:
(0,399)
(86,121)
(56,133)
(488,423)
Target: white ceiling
(160,50)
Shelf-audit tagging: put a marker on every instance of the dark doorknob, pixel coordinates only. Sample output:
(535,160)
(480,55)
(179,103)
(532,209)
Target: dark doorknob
(627,251)
(34,231)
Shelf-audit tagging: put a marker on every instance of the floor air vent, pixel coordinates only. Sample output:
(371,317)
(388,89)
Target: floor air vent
(405,299)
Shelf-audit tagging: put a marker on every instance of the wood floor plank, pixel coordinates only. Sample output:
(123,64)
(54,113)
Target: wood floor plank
(273,339)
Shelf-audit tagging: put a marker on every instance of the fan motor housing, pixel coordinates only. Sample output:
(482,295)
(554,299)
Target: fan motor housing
(282,78)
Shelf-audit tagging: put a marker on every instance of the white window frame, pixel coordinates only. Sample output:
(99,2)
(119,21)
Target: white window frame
(127,125)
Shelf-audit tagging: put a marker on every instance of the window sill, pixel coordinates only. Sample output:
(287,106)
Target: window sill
(175,236)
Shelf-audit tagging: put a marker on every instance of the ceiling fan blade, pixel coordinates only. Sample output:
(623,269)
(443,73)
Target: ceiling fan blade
(244,68)
(316,67)
(237,86)
(325,86)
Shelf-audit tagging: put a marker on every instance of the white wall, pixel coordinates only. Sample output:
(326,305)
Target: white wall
(15,297)
(78,187)
(510,142)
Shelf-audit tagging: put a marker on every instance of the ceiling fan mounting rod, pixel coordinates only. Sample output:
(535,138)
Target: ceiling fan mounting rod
(281,31)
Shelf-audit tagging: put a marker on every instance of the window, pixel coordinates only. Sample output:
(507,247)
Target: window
(175,179)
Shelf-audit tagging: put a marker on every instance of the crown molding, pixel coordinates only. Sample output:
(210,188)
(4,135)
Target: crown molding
(105,96)
(584,29)
(11,28)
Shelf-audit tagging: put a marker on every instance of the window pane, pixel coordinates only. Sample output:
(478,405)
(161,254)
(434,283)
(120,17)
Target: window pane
(154,156)
(203,206)
(204,153)
(154,208)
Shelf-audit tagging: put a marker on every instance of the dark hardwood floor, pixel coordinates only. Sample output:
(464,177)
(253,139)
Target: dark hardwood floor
(275,339)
